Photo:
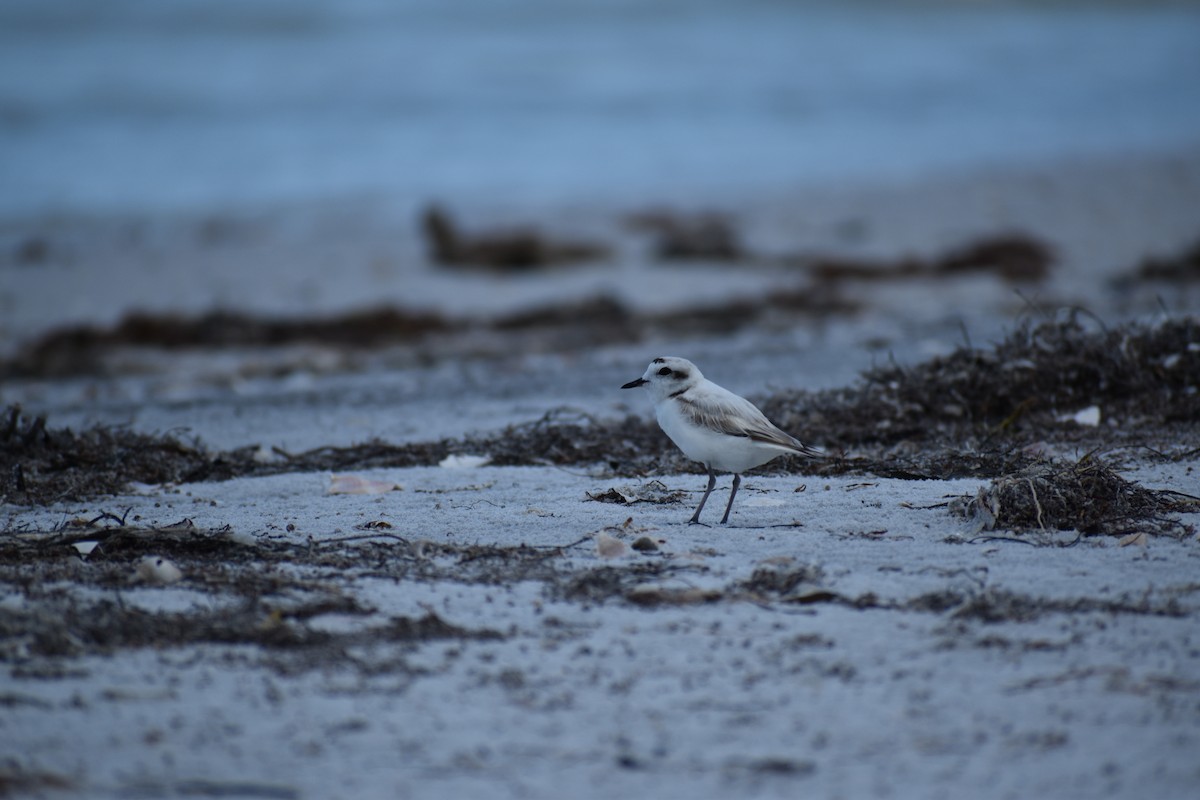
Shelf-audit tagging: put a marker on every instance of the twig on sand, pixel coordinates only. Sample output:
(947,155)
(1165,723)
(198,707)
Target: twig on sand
(1001,539)
(1036,503)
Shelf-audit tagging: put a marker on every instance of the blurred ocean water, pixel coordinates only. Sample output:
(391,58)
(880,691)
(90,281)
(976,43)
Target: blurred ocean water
(135,105)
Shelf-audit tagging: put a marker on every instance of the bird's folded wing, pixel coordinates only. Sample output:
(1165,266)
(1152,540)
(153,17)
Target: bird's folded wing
(736,416)
(777,437)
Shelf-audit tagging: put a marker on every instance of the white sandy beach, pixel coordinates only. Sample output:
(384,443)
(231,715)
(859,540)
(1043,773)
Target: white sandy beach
(993,667)
(987,664)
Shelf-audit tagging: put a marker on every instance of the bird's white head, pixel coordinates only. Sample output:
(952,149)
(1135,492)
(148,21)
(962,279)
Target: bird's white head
(667,376)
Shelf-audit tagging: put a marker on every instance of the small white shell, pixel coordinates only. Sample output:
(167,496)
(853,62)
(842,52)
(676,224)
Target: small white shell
(156,569)
(355,484)
(85,548)
(610,547)
(464,462)
(1089,416)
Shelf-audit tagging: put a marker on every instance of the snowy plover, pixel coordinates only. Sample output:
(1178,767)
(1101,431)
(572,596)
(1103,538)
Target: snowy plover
(712,425)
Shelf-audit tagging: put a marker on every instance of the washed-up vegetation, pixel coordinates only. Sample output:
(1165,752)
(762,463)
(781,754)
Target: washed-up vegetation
(1086,496)
(818,292)
(267,598)
(1007,413)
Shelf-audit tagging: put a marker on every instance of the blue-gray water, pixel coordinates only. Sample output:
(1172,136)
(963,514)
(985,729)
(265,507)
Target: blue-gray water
(145,104)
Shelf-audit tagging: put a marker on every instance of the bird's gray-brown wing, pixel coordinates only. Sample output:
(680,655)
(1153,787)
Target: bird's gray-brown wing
(736,416)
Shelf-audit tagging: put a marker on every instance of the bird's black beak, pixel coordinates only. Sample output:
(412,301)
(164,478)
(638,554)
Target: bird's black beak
(635,384)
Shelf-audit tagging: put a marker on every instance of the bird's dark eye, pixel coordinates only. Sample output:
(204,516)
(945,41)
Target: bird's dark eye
(665,371)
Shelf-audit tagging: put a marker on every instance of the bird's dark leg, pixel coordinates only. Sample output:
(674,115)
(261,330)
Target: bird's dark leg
(737,480)
(712,481)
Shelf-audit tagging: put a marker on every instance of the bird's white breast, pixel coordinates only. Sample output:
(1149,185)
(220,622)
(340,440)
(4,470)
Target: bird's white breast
(720,451)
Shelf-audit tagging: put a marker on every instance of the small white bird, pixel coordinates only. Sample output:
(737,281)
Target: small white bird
(712,425)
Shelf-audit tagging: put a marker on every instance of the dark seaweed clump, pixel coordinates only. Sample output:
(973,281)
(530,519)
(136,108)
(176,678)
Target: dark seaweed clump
(89,350)
(1144,378)
(975,412)
(1015,257)
(1087,496)
(81,350)
(40,465)
(1180,268)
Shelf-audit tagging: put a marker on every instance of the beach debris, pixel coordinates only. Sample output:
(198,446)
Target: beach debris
(268,455)
(159,570)
(1008,396)
(77,349)
(1181,268)
(40,465)
(979,412)
(146,489)
(85,548)
(356,484)
(655,492)
(32,251)
(517,249)
(644,544)
(1088,417)
(1087,496)
(96,350)
(772,765)
(241,538)
(464,461)
(610,546)
(1015,257)
(653,594)
(708,236)
(469,487)
(783,580)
